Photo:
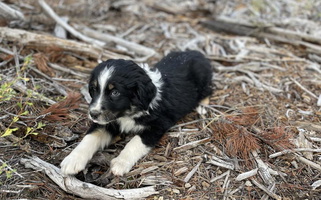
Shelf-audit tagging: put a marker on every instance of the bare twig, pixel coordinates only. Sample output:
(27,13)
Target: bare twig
(220,176)
(191,145)
(191,173)
(308,162)
(137,48)
(303,88)
(12,170)
(17,85)
(9,13)
(294,150)
(66,26)
(266,190)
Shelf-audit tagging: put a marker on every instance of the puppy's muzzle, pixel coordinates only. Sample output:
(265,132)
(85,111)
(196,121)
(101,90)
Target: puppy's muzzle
(100,117)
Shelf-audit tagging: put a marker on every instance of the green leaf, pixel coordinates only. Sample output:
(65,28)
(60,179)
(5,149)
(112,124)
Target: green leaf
(25,113)
(34,133)
(15,119)
(40,125)
(19,104)
(29,130)
(9,131)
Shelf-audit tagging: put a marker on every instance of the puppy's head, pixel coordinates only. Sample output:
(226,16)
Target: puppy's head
(119,88)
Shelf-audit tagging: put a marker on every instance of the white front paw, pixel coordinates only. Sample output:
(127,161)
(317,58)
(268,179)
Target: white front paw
(120,166)
(201,110)
(73,164)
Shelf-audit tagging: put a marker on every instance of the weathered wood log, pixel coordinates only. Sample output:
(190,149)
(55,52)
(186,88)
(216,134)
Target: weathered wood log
(85,190)
(42,41)
(227,25)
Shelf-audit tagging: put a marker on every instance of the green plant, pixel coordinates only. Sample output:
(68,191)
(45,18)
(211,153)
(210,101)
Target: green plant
(7,93)
(4,168)
(32,131)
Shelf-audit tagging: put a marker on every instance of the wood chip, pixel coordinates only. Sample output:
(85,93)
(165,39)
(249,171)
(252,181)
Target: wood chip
(191,173)
(191,145)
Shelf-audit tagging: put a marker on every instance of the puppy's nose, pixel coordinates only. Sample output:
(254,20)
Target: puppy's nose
(94,114)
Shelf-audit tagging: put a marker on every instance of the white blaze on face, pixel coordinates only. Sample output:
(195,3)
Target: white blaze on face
(102,84)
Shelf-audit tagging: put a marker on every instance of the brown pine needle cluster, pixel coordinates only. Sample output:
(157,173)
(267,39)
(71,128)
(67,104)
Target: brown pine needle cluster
(236,133)
(278,137)
(61,110)
(41,62)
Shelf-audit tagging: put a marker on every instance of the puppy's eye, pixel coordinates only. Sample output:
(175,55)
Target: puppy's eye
(115,93)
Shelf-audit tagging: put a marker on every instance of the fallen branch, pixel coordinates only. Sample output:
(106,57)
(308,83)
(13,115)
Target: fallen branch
(9,13)
(66,26)
(85,190)
(137,48)
(294,150)
(268,31)
(41,41)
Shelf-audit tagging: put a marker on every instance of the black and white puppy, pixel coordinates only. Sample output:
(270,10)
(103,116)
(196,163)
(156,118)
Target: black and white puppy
(127,98)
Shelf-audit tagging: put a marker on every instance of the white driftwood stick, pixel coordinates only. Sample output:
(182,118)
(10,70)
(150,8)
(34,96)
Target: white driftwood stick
(220,176)
(191,173)
(221,163)
(191,145)
(294,150)
(85,190)
(246,175)
(66,26)
(11,14)
(308,162)
(316,184)
(59,31)
(137,48)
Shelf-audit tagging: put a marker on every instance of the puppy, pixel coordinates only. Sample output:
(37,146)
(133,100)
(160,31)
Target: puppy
(127,98)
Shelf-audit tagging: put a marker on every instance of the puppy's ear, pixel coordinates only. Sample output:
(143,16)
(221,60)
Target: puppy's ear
(144,94)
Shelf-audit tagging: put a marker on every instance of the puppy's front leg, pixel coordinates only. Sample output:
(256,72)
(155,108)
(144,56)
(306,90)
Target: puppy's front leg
(76,161)
(133,151)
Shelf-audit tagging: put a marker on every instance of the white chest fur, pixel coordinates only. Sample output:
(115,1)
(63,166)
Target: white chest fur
(128,124)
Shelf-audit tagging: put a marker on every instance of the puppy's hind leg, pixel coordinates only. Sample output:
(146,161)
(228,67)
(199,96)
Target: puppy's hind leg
(200,109)
(77,160)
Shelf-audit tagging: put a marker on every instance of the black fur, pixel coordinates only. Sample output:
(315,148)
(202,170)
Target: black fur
(186,80)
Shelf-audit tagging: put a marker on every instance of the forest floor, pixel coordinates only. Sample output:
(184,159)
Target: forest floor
(260,137)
